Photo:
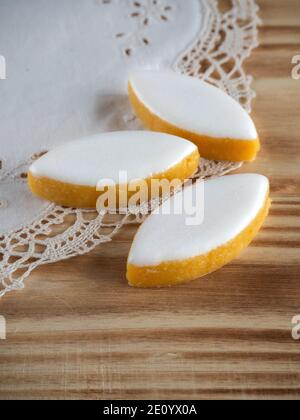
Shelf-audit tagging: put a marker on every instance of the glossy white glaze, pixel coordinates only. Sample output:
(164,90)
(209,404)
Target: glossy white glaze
(192,105)
(231,203)
(89,160)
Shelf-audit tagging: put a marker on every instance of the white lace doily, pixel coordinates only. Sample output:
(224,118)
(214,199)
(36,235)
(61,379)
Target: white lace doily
(67,68)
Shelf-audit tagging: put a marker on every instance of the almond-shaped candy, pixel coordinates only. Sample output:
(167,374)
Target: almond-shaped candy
(174,247)
(198,111)
(69,175)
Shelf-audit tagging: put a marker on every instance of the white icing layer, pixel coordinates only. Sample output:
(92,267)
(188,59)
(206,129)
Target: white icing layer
(86,161)
(193,105)
(231,203)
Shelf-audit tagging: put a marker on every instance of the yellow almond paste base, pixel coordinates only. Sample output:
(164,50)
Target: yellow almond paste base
(178,272)
(209,147)
(79,196)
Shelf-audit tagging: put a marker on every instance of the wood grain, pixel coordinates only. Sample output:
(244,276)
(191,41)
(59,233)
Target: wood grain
(78,330)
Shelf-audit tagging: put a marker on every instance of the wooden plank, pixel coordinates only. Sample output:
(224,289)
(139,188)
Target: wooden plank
(78,330)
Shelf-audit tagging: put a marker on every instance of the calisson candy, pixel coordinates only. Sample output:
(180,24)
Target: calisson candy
(168,249)
(71,174)
(193,109)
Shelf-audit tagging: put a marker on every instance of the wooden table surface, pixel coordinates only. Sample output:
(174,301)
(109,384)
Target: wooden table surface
(78,330)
